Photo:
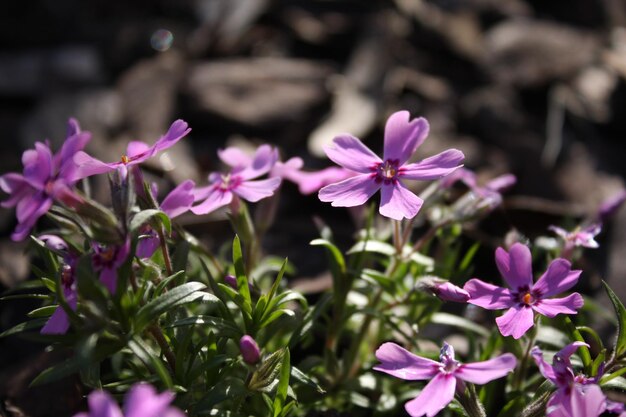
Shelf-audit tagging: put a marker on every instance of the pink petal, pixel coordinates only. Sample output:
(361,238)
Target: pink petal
(487,295)
(402,137)
(176,132)
(559,231)
(136,149)
(544,367)
(38,168)
(147,246)
(28,212)
(398,202)
(516,321)
(349,152)
(434,167)
(435,396)
(515,266)
(58,323)
(558,278)
(234,157)
(101,404)
(215,199)
(552,306)
(462,174)
(483,372)
(570,349)
(108,276)
(15,184)
(579,401)
(263,161)
(401,363)
(179,199)
(143,401)
(351,192)
(502,182)
(254,191)
(88,166)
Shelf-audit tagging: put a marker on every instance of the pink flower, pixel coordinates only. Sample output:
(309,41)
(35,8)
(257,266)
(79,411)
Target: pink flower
(59,323)
(107,259)
(238,183)
(46,178)
(610,206)
(576,395)
(136,153)
(141,401)
(177,202)
(446,376)
(579,237)
(524,297)
(402,138)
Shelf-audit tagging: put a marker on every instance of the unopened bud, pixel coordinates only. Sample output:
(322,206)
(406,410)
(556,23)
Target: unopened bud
(249,350)
(231,281)
(449,292)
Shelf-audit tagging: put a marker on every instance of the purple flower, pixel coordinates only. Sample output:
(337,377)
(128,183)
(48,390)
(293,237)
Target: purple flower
(107,259)
(223,188)
(524,297)
(249,350)
(402,138)
(136,153)
(610,206)
(59,323)
(579,237)
(46,177)
(576,395)
(141,401)
(447,375)
(177,202)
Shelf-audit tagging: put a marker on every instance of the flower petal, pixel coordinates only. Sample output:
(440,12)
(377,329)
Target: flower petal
(402,137)
(516,321)
(88,166)
(108,276)
(515,266)
(487,295)
(254,191)
(579,401)
(215,199)
(176,132)
(434,167)
(101,404)
(486,371)
(351,192)
(558,278)
(38,167)
(502,182)
(401,363)
(544,367)
(350,153)
(179,199)
(398,202)
(146,246)
(435,396)
(263,161)
(137,149)
(143,401)
(234,157)
(553,306)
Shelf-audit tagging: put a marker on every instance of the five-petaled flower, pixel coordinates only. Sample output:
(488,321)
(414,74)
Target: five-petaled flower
(46,178)
(136,153)
(224,188)
(447,375)
(402,138)
(576,395)
(524,297)
(141,401)
(584,237)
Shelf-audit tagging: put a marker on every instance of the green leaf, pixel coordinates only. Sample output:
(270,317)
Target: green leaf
(58,371)
(42,312)
(220,326)
(616,383)
(459,322)
(373,246)
(240,272)
(620,312)
(585,356)
(283,385)
(186,293)
(146,216)
(303,378)
(334,252)
(152,361)
(22,327)
(265,375)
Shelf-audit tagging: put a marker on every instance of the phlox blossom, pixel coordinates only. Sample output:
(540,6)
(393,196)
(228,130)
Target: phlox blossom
(402,138)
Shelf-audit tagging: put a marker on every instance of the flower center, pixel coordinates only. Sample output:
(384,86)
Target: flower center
(528,299)
(125,159)
(387,171)
(228,182)
(107,255)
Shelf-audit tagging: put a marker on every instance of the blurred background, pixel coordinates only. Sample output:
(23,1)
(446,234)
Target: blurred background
(532,87)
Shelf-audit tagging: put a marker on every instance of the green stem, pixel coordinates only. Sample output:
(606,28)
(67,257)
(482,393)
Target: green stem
(159,337)
(471,404)
(521,375)
(166,254)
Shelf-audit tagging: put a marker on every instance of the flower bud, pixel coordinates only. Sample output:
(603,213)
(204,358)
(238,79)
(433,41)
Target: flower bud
(447,291)
(249,350)
(231,281)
